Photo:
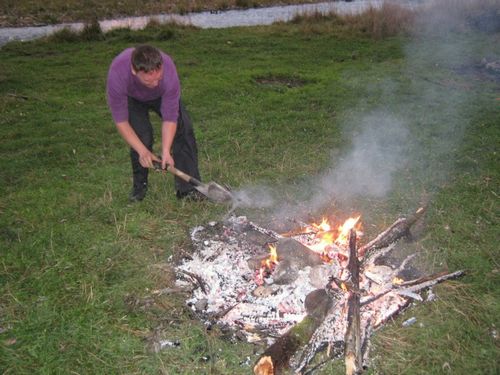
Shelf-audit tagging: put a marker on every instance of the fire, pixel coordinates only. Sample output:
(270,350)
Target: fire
(273,257)
(324,226)
(267,265)
(330,241)
(323,238)
(397,281)
(344,229)
(343,287)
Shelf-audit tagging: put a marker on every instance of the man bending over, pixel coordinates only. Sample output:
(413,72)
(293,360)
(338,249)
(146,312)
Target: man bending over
(141,80)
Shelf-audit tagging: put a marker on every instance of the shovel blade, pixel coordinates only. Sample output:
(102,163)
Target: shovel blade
(215,192)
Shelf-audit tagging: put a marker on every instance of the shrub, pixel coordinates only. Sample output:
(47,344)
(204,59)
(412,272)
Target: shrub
(64,35)
(92,31)
(388,20)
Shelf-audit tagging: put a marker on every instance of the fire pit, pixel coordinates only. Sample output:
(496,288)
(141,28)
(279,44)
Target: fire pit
(303,291)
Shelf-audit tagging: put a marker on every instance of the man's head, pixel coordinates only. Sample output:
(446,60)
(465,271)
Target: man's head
(147,65)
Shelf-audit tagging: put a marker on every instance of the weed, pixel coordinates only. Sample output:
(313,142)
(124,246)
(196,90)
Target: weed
(386,21)
(92,31)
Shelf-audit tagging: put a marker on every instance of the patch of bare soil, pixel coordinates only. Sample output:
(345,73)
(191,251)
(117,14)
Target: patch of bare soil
(281,80)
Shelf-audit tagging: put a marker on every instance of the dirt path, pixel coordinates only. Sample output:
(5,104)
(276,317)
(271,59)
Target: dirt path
(33,13)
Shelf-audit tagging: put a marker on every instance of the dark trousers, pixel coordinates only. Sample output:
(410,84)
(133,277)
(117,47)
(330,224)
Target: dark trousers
(184,149)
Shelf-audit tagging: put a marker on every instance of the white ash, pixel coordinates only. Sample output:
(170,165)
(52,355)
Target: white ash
(220,260)
(431,296)
(409,322)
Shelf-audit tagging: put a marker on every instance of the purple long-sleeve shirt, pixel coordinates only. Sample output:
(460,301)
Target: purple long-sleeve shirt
(121,84)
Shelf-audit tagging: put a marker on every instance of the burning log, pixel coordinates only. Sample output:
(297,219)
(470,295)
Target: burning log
(352,348)
(287,257)
(289,250)
(400,228)
(276,358)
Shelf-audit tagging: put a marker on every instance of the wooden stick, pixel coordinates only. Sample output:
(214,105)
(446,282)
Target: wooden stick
(415,285)
(199,280)
(352,348)
(400,228)
(267,232)
(298,232)
(17,96)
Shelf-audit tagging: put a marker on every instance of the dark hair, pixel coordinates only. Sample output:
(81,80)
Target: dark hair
(146,58)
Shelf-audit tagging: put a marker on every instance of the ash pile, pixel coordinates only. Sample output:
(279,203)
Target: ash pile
(303,291)
(234,289)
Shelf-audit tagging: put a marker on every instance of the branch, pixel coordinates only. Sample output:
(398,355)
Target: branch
(400,228)
(352,348)
(415,285)
(198,279)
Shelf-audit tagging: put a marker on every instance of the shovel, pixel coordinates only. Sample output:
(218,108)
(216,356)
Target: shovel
(211,190)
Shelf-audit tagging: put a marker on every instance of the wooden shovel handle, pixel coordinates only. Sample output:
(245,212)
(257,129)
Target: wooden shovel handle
(193,181)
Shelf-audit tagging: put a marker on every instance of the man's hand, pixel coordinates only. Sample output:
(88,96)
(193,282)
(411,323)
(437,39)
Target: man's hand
(166,160)
(146,159)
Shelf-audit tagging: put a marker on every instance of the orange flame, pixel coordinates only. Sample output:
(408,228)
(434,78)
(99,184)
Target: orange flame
(328,237)
(344,229)
(323,226)
(273,257)
(326,240)
(267,264)
(397,281)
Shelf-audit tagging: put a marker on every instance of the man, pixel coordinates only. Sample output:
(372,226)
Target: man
(139,80)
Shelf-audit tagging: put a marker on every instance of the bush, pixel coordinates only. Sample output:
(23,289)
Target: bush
(92,31)
(64,35)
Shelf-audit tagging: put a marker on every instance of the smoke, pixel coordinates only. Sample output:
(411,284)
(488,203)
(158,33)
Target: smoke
(379,149)
(254,196)
(423,129)
(367,169)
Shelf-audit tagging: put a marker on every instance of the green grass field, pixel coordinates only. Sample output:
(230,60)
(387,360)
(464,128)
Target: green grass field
(273,106)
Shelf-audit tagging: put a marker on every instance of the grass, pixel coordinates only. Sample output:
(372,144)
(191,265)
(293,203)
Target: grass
(274,106)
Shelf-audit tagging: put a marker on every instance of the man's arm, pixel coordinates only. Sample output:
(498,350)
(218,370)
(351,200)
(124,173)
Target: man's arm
(146,157)
(168,130)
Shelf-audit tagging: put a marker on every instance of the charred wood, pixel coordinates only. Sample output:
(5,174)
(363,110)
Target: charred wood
(166,291)
(298,232)
(197,278)
(17,96)
(399,229)
(352,348)
(365,348)
(276,357)
(267,232)
(289,249)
